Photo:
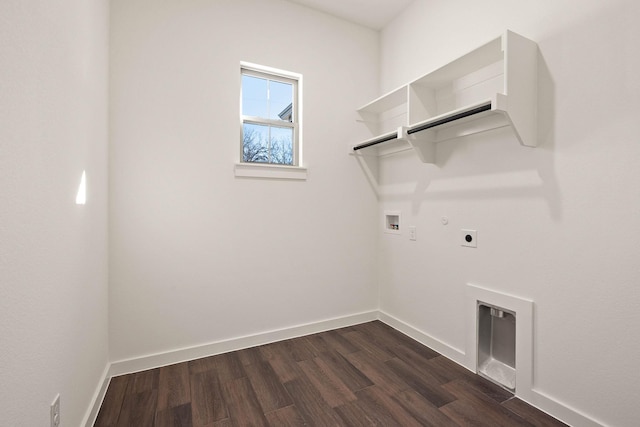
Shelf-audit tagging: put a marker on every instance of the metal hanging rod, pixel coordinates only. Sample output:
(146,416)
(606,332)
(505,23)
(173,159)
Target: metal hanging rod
(449,119)
(376,141)
(429,125)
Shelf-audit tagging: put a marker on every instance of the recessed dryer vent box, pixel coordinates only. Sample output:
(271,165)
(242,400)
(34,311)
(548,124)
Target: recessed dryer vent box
(392,222)
(497,345)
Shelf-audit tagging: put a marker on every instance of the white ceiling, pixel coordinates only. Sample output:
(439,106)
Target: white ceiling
(370,13)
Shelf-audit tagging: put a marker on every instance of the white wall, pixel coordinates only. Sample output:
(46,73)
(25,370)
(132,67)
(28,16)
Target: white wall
(53,253)
(197,255)
(557,224)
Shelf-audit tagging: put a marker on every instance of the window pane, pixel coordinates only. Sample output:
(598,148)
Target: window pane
(280,100)
(281,145)
(254,96)
(255,143)
(268,117)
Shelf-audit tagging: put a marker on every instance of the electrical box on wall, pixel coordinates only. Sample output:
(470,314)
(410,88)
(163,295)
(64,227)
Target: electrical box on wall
(392,221)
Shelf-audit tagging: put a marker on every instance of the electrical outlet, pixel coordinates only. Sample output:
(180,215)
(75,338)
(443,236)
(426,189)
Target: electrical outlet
(55,412)
(412,232)
(469,238)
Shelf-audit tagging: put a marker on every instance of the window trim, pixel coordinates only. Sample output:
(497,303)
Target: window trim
(270,171)
(273,170)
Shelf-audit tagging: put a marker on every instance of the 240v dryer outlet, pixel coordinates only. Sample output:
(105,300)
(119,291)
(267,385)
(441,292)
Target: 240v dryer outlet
(469,238)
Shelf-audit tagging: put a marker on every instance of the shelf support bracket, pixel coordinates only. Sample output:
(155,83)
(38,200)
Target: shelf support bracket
(423,143)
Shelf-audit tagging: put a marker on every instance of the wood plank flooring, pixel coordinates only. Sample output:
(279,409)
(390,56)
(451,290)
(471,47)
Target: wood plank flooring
(364,375)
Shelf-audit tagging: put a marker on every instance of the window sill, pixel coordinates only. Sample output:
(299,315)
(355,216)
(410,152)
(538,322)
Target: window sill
(257,170)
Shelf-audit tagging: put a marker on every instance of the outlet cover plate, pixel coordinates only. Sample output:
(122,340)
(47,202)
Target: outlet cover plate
(55,412)
(469,238)
(412,232)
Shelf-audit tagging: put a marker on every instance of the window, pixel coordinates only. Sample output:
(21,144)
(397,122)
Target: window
(270,117)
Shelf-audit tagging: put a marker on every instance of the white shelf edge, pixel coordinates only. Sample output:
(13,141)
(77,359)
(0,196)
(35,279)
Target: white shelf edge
(371,107)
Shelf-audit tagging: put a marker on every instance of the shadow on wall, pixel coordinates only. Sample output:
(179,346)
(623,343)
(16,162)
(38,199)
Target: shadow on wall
(487,165)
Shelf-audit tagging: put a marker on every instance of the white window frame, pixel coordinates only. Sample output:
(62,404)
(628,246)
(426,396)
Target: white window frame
(274,170)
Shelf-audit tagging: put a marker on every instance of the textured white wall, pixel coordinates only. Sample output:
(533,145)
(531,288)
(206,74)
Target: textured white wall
(198,255)
(53,253)
(557,224)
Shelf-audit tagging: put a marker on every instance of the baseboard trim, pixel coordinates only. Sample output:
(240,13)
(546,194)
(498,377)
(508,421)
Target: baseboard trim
(157,360)
(98,396)
(444,349)
(127,366)
(561,411)
(535,398)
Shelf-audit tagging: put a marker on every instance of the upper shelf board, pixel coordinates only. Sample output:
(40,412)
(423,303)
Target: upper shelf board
(386,102)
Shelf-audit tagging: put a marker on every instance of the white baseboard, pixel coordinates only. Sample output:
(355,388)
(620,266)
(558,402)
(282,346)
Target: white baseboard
(434,344)
(535,398)
(559,410)
(157,360)
(98,396)
(121,367)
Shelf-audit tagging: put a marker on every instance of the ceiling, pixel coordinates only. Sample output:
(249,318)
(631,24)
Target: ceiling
(370,13)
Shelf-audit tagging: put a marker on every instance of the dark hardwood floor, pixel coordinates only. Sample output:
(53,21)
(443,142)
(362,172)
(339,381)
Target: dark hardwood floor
(364,375)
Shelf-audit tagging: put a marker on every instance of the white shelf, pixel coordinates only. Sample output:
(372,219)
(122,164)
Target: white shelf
(499,76)
(386,102)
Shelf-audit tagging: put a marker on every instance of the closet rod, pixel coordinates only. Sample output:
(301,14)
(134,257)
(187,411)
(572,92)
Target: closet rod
(449,119)
(375,142)
(419,128)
